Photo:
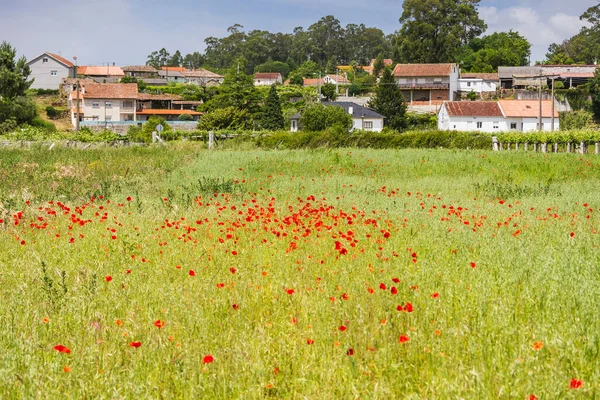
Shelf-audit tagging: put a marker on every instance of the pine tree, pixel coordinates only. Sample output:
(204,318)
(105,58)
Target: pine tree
(273,116)
(379,65)
(389,101)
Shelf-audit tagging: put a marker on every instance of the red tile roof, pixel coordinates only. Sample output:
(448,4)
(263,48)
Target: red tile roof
(527,108)
(158,97)
(473,109)
(176,69)
(403,70)
(313,81)
(62,60)
(201,73)
(150,111)
(267,75)
(139,68)
(100,71)
(108,91)
(339,78)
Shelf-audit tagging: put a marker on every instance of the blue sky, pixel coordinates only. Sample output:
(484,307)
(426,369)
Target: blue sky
(126,31)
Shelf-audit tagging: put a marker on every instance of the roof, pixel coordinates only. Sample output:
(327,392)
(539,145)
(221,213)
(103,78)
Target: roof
(178,69)
(313,81)
(425,86)
(477,75)
(509,72)
(339,78)
(108,91)
(173,74)
(402,70)
(267,75)
(150,111)
(100,71)
(61,60)
(158,97)
(187,102)
(386,62)
(527,108)
(358,111)
(139,68)
(201,73)
(577,75)
(155,81)
(473,109)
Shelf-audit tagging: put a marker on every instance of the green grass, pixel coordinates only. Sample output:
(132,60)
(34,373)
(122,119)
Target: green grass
(528,221)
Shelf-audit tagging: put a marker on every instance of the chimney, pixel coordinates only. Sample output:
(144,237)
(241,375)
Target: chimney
(113,64)
(351,110)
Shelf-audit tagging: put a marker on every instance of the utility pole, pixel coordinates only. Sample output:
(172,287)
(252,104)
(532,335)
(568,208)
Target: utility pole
(541,124)
(552,124)
(78,91)
(337,79)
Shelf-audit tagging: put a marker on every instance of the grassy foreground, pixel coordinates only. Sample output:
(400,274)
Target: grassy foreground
(183,273)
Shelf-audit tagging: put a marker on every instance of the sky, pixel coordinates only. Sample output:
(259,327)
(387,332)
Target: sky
(124,32)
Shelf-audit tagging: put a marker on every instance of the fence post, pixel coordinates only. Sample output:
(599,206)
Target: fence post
(526,146)
(544,147)
(556,147)
(517,146)
(582,147)
(211,140)
(535,147)
(597,145)
(568,147)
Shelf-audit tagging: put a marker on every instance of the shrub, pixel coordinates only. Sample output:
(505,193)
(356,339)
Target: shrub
(52,112)
(318,117)
(185,117)
(354,90)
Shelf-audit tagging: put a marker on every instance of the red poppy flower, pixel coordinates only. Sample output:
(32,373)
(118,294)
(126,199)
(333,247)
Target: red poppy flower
(290,291)
(128,271)
(232,270)
(108,278)
(129,198)
(396,280)
(310,341)
(572,234)
(435,295)
(408,307)
(159,324)
(192,273)
(575,383)
(403,339)
(350,352)
(135,344)
(220,285)
(394,290)
(235,306)
(473,265)
(345,296)
(62,349)
(382,286)
(342,328)
(208,359)
(532,397)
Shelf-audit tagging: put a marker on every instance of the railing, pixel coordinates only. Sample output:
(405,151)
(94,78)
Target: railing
(102,123)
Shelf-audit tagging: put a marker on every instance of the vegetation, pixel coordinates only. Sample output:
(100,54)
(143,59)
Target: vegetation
(273,116)
(317,117)
(352,273)
(389,101)
(226,118)
(328,91)
(594,92)
(487,53)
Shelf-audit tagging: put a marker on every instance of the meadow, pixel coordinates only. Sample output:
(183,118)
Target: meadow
(178,272)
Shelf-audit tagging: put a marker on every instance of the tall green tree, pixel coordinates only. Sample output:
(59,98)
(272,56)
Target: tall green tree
(317,117)
(594,91)
(176,59)
(389,101)
(158,59)
(328,91)
(434,30)
(194,60)
(272,118)
(379,65)
(487,53)
(15,106)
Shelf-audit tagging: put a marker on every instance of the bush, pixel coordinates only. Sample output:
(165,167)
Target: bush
(52,112)
(38,122)
(318,117)
(185,117)
(225,118)
(354,90)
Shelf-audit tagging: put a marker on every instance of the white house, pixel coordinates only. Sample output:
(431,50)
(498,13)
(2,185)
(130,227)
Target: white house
(478,83)
(101,74)
(49,70)
(336,79)
(363,118)
(267,79)
(491,116)
(202,77)
(105,102)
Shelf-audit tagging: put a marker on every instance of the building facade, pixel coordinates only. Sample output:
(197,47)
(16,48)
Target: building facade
(427,84)
(48,71)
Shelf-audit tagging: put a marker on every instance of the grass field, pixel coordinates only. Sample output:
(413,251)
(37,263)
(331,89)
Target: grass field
(323,274)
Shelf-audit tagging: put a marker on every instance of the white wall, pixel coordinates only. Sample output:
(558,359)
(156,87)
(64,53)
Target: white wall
(42,73)
(477,85)
(377,124)
(466,124)
(115,113)
(454,76)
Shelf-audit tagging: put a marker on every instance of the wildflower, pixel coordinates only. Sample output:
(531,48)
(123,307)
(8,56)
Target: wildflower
(108,278)
(119,322)
(403,339)
(382,286)
(192,273)
(290,291)
(350,352)
(159,324)
(62,349)
(572,234)
(396,280)
(135,344)
(66,369)
(235,306)
(342,328)
(208,359)
(532,397)
(310,341)
(46,320)
(435,295)
(575,383)
(473,265)
(232,270)
(538,346)
(345,296)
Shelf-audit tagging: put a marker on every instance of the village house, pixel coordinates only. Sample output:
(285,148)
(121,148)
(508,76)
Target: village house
(141,71)
(363,118)
(121,104)
(387,62)
(267,78)
(101,74)
(48,71)
(202,77)
(478,82)
(336,79)
(427,84)
(491,116)
(531,77)
(172,76)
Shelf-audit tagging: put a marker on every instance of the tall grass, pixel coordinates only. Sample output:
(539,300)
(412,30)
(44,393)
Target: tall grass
(294,256)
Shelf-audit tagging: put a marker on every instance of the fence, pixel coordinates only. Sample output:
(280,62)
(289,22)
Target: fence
(582,147)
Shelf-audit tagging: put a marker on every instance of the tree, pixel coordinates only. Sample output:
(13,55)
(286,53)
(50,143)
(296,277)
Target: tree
(594,90)
(354,90)
(328,91)
(158,59)
(272,118)
(331,67)
(225,118)
(193,61)
(176,60)
(15,106)
(433,30)
(379,65)
(486,54)
(389,101)
(274,66)
(318,117)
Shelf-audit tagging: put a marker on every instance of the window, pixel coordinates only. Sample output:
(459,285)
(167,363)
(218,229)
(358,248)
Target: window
(513,125)
(44,60)
(128,104)
(468,84)
(437,80)
(95,104)
(496,125)
(109,118)
(53,73)
(108,104)
(479,125)
(368,125)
